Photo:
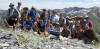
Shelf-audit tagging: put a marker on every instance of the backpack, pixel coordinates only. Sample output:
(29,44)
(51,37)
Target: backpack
(9,11)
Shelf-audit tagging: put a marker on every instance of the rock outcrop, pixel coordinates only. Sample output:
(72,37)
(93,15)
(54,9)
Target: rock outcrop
(10,39)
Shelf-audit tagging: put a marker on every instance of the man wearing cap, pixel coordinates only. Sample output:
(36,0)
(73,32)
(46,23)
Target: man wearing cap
(11,9)
(89,22)
(32,13)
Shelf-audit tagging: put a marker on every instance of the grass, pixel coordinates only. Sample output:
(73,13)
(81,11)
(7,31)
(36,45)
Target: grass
(25,38)
(96,23)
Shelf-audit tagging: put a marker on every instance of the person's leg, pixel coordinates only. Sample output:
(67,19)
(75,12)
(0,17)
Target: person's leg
(55,33)
(6,23)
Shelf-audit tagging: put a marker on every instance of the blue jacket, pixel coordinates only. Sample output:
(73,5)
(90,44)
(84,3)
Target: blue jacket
(27,25)
(32,14)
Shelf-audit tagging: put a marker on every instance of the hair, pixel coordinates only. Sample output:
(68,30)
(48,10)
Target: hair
(25,8)
(44,10)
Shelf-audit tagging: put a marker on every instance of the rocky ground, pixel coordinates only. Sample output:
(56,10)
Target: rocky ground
(10,39)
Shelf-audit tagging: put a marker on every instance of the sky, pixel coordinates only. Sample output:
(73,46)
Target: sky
(50,4)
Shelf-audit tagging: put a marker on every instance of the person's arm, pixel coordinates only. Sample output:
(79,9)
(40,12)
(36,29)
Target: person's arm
(69,35)
(23,24)
(6,22)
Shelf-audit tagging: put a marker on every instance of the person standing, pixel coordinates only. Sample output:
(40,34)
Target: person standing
(11,10)
(54,18)
(32,13)
(18,8)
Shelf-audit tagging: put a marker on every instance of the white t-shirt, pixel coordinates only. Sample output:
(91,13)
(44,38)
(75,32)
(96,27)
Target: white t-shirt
(55,18)
(19,11)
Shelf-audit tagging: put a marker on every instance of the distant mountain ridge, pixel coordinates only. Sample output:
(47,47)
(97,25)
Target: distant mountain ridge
(93,13)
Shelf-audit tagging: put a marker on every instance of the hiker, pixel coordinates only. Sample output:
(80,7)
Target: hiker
(18,8)
(71,27)
(32,13)
(49,14)
(45,20)
(38,13)
(28,24)
(79,32)
(41,27)
(61,20)
(44,13)
(11,10)
(56,30)
(89,35)
(89,22)
(65,32)
(67,20)
(49,26)
(24,12)
(12,20)
(54,18)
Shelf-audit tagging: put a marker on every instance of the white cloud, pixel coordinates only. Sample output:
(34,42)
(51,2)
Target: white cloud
(54,5)
(50,5)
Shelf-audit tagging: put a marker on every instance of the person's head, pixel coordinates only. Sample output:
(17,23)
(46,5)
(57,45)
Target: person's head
(44,10)
(19,4)
(25,9)
(79,26)
(33,9)
(64,27)
(54,12)
(60,14)
(41,22)
(49,12)
(57,24)
(15,13)
(86,17)
(67,17)
(86,27)
(30,19)
(24,18)
(11,5)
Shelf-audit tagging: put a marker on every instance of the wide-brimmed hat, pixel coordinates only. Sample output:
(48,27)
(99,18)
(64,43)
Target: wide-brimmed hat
(76,16)
(11,4)
(67,17)
(86,16)
(57,23)
(81,16)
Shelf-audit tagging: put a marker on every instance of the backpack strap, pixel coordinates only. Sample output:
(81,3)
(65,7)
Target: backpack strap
(8,11)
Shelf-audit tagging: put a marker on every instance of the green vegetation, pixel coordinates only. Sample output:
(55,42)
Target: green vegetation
(25,38)
(96,22)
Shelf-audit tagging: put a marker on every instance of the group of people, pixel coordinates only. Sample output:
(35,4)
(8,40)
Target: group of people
(49,23)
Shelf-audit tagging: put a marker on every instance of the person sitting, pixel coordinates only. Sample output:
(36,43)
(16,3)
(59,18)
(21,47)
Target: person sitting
(89,35)
(89,22)
(65,32)
(79,32)
(41,27)
(28,24)
(55,30)
(12,21)
(24,13)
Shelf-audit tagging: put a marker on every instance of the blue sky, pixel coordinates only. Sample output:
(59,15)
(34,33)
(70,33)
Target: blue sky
(51,4)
